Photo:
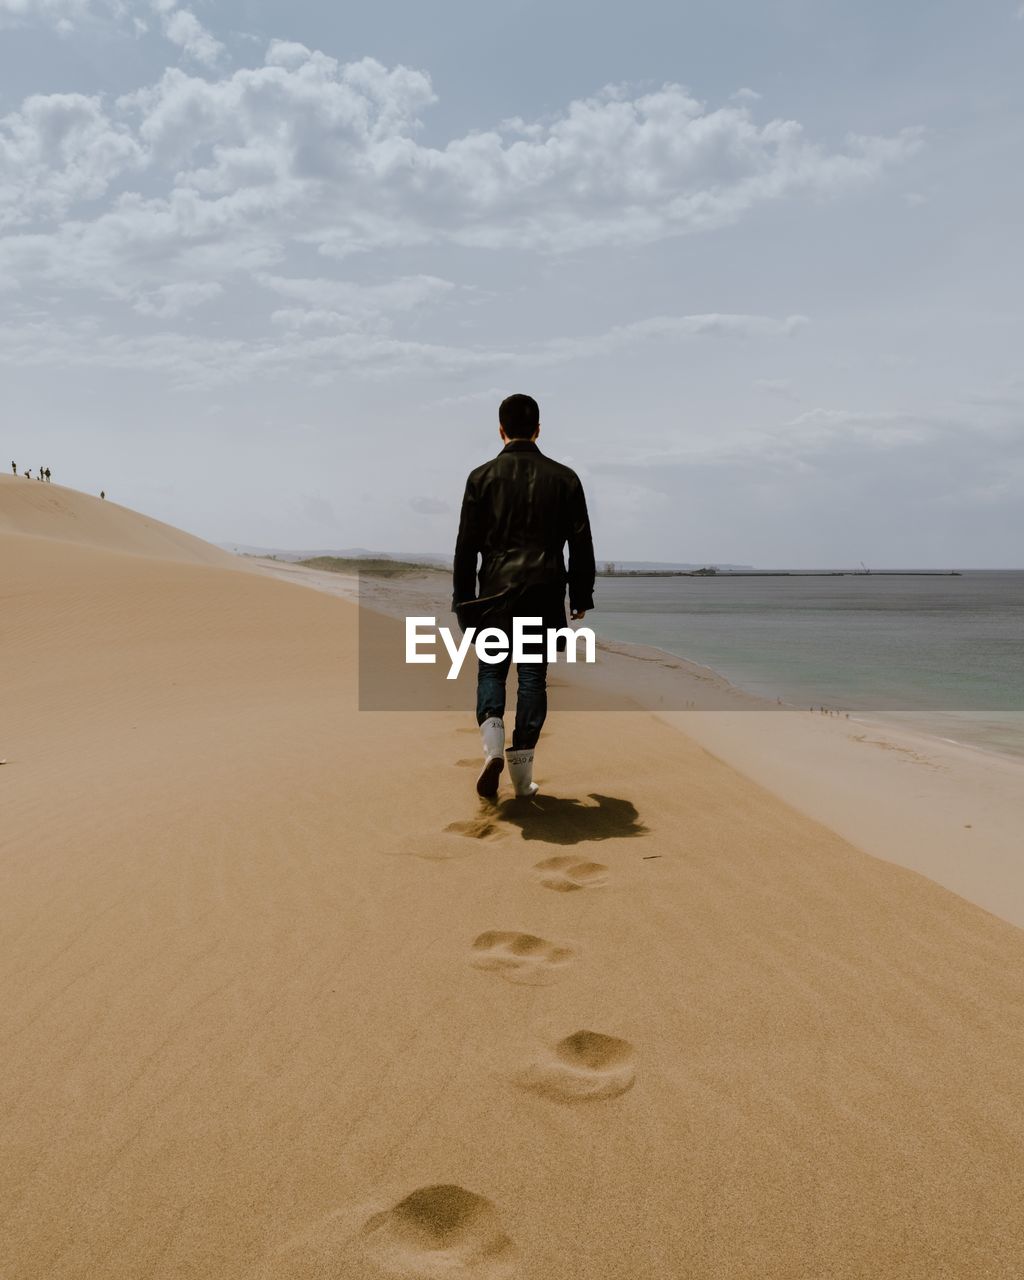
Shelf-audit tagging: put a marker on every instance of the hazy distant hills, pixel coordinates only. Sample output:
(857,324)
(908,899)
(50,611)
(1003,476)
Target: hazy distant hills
(436,558)
(667,566)
(334,553)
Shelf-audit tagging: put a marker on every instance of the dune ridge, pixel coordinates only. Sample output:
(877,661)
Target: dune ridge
(31,508)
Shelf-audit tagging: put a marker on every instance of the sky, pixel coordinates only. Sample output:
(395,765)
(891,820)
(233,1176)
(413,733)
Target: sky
(267,269)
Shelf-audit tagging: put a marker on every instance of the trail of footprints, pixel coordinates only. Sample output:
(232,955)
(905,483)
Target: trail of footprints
(445,1230)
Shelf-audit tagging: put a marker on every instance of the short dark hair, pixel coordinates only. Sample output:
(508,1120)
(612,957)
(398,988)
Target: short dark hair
(519,416)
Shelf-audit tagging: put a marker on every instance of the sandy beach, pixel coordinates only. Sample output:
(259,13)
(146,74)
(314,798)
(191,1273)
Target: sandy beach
(738,995)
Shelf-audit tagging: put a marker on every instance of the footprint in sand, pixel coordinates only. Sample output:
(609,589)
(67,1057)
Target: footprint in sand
(441,1231)
(520,957)
(566,873)
(583,1067)
(483,829)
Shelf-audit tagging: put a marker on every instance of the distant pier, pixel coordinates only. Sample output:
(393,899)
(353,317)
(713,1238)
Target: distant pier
(779,573)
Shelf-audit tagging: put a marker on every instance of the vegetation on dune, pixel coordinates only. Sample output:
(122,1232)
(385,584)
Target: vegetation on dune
(376,565)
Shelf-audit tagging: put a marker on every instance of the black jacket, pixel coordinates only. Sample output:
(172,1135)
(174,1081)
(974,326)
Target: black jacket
(519,511)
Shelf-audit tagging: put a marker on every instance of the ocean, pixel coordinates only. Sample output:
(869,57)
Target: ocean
(943,654)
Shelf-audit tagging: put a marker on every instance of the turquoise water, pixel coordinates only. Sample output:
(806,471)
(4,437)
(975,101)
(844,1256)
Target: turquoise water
(941,653)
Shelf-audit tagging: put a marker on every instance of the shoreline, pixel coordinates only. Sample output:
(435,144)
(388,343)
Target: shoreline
(948,810)
(916,723)
(736,695)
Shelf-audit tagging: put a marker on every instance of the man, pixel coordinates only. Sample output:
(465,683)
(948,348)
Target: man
(519,511)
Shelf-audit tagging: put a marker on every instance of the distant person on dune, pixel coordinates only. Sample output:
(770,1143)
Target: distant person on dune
(103,493)
(518,513)
(14,468)
(47,473)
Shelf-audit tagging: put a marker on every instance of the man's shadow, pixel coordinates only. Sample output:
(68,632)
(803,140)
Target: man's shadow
(568,821)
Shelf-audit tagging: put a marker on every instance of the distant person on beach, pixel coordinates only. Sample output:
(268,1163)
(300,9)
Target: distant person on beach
(103,493)
(14,468)
(47,474)
(518,513)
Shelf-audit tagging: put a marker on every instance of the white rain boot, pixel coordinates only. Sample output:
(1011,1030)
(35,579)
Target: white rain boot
(492,734)
(520,770)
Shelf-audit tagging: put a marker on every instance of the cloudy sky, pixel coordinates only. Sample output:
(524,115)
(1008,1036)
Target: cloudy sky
(266,269)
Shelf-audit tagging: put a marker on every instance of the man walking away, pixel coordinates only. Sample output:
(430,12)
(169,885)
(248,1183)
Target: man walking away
(518,513)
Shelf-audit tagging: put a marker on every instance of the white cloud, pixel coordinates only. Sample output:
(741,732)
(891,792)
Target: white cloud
(196,360)
(345,305)
(304,151)
(183,28)
(348,298)
(671,328)
(179,25)
(310,318)
(57,151)
(343,347)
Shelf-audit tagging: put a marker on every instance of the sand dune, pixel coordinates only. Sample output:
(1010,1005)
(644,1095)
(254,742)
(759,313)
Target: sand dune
(246,1034)
(39,510)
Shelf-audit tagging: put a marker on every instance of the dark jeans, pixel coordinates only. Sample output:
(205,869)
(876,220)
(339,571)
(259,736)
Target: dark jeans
(531,700)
